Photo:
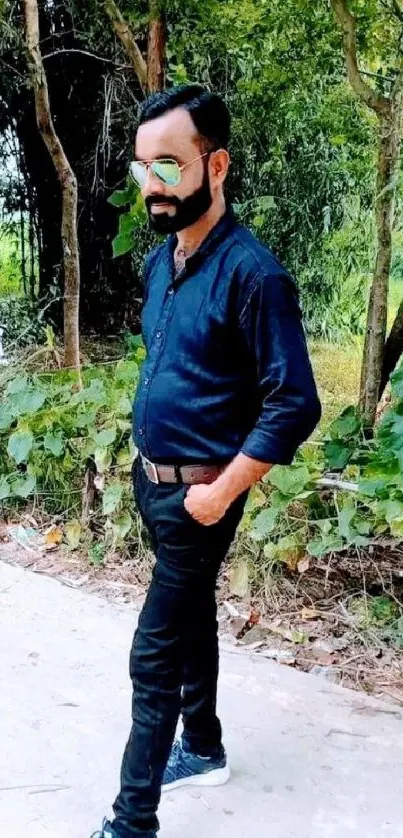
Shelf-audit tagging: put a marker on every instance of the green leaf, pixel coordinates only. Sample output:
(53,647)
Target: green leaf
(111,498)
(321,546)
(346,425)
(290,480)
(396,382)
(6,416)
(95,394)
(29,401)
(121,526)
(121,244)
(124,406)
(83,420)
(54,442)
(106,437)
(370,487)
(5,490)
(124,457)
(337,453)
(126,371)
(345,516)
(19,445)
(23,486)
(289,549)
(264,522)
(124,425)
(17,385)
(391,509)
(120,198)
(127,224)
(396,527)
(103,459)
(256,499)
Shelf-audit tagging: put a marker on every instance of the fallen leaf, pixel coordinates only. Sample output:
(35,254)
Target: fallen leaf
(239,579)
(323,645)
(232,611)
(322,658)
(310,614)
(73,533)
(255,635)
(254,618)
(303,565)
(237,625)
(280,655)
(53,536)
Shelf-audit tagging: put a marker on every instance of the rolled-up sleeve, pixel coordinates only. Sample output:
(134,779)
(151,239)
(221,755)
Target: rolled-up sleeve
(290,409)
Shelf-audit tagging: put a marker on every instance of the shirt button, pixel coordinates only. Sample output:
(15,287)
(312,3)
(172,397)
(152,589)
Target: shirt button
(158,335)
(141,431)
(170,291)
(146,381)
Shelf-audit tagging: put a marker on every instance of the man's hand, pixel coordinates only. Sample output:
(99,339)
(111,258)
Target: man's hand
(205,504)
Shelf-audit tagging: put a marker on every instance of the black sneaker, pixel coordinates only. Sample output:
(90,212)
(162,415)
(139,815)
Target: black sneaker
(186,769)
(105,832)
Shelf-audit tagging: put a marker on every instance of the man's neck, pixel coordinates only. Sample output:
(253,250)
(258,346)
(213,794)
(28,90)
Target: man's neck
(191,238)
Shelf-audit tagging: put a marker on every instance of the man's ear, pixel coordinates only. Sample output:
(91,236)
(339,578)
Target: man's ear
(219,165)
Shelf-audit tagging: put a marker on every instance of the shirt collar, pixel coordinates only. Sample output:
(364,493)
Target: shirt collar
(220,230)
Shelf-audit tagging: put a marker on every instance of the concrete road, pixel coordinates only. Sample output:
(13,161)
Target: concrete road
(309,759)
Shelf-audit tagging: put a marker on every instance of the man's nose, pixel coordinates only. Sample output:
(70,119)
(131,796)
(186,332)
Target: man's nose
(153,185)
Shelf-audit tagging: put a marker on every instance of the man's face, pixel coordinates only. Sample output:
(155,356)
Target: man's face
(174,136)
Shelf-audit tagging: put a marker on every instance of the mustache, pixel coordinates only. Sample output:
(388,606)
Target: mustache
(159,199)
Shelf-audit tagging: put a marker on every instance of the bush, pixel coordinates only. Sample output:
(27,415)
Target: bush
(51,432)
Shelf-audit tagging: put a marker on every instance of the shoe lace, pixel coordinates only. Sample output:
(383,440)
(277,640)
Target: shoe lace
(176,748)
(100,833)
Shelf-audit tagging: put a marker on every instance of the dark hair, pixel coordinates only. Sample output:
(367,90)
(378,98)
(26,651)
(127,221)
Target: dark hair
(208,111)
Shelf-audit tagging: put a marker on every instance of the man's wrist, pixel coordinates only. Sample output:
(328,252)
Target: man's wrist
(223,491)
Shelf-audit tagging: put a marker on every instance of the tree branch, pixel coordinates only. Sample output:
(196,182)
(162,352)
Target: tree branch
(398,10)
(124,33)
(88,54)
(362,90)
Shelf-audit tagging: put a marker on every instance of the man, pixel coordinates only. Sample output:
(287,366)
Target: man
(226,390)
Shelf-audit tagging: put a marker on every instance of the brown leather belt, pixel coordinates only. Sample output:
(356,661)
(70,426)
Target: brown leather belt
(180,474)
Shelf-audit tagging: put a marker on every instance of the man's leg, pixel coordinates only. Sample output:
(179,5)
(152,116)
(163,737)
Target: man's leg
(202,729)
(182,589)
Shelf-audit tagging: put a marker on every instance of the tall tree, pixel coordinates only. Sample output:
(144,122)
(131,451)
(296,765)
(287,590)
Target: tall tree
(68,185)
(150,71)
(389,110)
(156,49)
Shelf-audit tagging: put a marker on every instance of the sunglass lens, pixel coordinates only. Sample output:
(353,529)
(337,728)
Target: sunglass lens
(139,173)
(167,170)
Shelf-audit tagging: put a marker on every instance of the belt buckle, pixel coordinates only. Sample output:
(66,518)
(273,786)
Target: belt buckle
(152,468)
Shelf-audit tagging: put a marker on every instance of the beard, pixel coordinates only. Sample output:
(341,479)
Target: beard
(188,210)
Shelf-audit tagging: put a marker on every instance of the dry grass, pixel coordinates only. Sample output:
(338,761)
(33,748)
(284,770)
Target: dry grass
(337,373)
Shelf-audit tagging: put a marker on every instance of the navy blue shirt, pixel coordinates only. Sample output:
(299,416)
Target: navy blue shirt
(227,366)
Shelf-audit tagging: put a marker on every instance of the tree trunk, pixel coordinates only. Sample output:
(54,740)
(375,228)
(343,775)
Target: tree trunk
(68,184)
(129,42)
(156,47)
(389,113)
(393,349)
(374,345)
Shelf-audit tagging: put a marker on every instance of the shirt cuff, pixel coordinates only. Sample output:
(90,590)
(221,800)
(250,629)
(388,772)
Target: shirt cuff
(268,449)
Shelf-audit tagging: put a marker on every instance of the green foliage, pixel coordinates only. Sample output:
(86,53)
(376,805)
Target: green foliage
(130,221)
(50,431)
(296,517)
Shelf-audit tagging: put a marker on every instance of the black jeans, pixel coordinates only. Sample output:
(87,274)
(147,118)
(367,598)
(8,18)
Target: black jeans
(174,656)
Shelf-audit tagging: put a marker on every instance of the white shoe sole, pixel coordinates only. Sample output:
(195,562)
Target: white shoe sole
(217,777)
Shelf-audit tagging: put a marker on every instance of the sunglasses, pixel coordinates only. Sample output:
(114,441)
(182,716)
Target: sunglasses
(167,170)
